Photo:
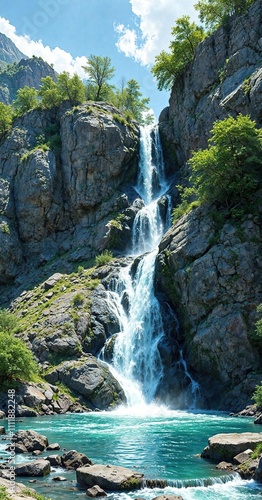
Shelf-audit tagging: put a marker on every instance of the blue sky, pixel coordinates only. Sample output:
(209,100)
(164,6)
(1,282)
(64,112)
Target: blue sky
(66,32)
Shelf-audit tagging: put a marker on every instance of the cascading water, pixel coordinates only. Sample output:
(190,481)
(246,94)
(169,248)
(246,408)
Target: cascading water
(136,360)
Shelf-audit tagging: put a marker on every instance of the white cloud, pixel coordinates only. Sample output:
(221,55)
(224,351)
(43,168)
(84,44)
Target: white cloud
(62,60)
(156,18)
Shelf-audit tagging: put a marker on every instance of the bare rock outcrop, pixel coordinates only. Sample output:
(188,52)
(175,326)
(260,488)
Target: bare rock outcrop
(91,379)
(58,197)
(224,78)
(212,279)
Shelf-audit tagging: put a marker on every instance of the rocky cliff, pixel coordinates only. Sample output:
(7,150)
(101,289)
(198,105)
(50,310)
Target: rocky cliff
(26,72)
(224,78)
(9,53)
(212,278)
(60,176)
(210,272)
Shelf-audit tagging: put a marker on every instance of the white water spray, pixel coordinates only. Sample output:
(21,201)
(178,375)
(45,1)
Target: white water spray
(136,360)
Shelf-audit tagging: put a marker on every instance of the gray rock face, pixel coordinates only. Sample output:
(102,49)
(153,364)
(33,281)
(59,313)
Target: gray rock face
(60,200)
(91,379)
(213,283)
(109,477)
(225,78)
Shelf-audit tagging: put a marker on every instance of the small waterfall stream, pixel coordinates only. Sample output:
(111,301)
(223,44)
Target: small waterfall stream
(136,360)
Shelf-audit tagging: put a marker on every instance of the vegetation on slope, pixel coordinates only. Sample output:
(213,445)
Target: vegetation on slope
(229,172)
(187,35)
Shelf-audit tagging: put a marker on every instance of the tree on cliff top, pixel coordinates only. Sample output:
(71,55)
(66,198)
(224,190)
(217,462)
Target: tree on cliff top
(170,65)
(214,13)
(99,72)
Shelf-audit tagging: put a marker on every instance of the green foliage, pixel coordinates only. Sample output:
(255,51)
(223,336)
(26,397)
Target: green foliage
(7,321)
(49,93)
(228,172)
(103,258)
(78,300)
(16,360)
(259,322)
(4,494)
(183,208)
(99,72)
(6,117)
(130,101)
(257,451)
(257,396)
(33,494)
(26,100)
(214,13)
(169,66)
(71,88)
(5,228)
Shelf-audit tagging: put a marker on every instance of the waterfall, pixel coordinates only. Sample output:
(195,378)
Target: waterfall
(136,360)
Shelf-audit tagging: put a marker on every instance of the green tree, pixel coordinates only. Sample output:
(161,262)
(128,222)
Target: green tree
(214,13)
(170,65)
(16,360)
(49,93)
(6,116)
(229,170)
(99,72)
(71,88)
(129,99)
(26,99)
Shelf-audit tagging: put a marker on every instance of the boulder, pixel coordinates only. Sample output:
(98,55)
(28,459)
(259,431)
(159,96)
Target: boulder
(95,492)
(2,430)
(59,478)
(31,440)
(227,446)
(37,468)
(73,459)
(92,379)
(109,477)
(242,457)
(53,447)
(55,460)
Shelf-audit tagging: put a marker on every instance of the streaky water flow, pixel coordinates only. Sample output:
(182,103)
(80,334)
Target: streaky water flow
(136,360)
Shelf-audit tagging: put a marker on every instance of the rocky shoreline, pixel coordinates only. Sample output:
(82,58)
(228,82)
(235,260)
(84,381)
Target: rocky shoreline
(231,452)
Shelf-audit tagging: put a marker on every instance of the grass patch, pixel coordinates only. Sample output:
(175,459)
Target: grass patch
(103,258)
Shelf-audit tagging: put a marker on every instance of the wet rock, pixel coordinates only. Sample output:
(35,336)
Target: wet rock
(37,468)
(55,460)
(31,440)
(2,430)
(59,478)
(95,492)
(109,477)
(258,419)
(53,447)
(73,459)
